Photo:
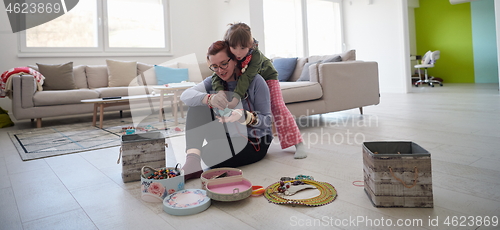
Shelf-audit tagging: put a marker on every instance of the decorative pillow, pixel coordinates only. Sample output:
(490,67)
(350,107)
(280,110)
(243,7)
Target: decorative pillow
(333,59)
(97,76)
(121,73)
(285,67)
(349,55)
(80,77)
(305,71)
(298,69)
(166,75)
(58,76)
(194,73)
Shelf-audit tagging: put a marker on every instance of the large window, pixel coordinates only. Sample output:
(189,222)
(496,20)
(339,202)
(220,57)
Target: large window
(101,27)
(298,28)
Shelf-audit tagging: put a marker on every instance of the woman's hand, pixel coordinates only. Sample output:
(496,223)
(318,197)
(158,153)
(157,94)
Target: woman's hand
(219,100)
(235,116)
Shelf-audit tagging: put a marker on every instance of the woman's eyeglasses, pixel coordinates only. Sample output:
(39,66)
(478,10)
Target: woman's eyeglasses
(223,65)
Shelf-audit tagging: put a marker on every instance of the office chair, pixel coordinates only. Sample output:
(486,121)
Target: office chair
(428,61)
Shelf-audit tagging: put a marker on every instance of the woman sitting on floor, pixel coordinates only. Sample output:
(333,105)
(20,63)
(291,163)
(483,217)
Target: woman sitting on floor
(220,136)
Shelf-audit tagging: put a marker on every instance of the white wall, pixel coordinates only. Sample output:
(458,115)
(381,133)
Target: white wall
(257,22)
(195,24)
(378,30)
(229,11)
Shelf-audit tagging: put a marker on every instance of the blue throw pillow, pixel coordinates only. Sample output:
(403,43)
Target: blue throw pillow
(285,67)
(166,75)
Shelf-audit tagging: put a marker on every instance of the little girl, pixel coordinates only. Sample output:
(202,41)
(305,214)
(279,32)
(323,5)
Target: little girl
(251,62)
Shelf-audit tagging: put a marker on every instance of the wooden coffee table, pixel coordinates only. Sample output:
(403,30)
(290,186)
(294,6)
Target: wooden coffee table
(102,103)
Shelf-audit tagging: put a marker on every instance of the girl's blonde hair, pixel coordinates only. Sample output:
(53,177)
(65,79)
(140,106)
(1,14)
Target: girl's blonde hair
(239,34)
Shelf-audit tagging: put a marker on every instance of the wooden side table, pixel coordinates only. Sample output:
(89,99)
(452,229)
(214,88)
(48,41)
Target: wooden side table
(176,89)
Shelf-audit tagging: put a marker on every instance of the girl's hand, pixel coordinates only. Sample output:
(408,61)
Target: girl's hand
(233,103)
(235,116)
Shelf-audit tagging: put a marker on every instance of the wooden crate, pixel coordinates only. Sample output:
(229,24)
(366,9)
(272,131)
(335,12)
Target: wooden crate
(139,150)
(401,187)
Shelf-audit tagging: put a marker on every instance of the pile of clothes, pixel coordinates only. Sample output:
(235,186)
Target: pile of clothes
(6,80)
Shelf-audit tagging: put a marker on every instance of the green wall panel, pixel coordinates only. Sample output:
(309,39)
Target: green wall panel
(445,27)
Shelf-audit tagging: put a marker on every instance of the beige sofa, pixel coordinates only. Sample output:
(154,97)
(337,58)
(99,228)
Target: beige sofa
(91,82)
(334,86)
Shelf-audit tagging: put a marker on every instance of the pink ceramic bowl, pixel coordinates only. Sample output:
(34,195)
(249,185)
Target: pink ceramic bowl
(218,173)
(229,188)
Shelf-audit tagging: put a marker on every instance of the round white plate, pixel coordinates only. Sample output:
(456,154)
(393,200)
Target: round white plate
(186,202)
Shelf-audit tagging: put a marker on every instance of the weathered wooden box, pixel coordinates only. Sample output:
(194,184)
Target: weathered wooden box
(139,150)
(397,174)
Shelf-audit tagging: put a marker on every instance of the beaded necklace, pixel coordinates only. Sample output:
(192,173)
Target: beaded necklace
(327,194)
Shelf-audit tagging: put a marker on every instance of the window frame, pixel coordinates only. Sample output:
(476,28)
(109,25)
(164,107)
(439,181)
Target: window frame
(102,48)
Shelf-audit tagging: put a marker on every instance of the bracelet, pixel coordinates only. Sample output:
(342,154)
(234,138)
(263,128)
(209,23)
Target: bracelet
(248,116)
(255,119)
(208,101)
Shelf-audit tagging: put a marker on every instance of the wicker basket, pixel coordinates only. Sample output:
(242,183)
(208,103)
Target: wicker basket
(397,174)
(139,150)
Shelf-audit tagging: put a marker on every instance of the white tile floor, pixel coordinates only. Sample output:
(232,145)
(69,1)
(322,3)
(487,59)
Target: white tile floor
(458,123)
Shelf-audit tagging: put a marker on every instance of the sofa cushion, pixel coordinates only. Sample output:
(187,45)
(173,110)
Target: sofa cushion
(145,74)
(336,58)
(298,69)
(285,67)
(97,76)
(194,73)
(349,55)
(305,71)
(166,75)
(57,76)
(205,71)
(300,91)
(142,67)
(63,97)
(149,73)
(80,77)
(121,73)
